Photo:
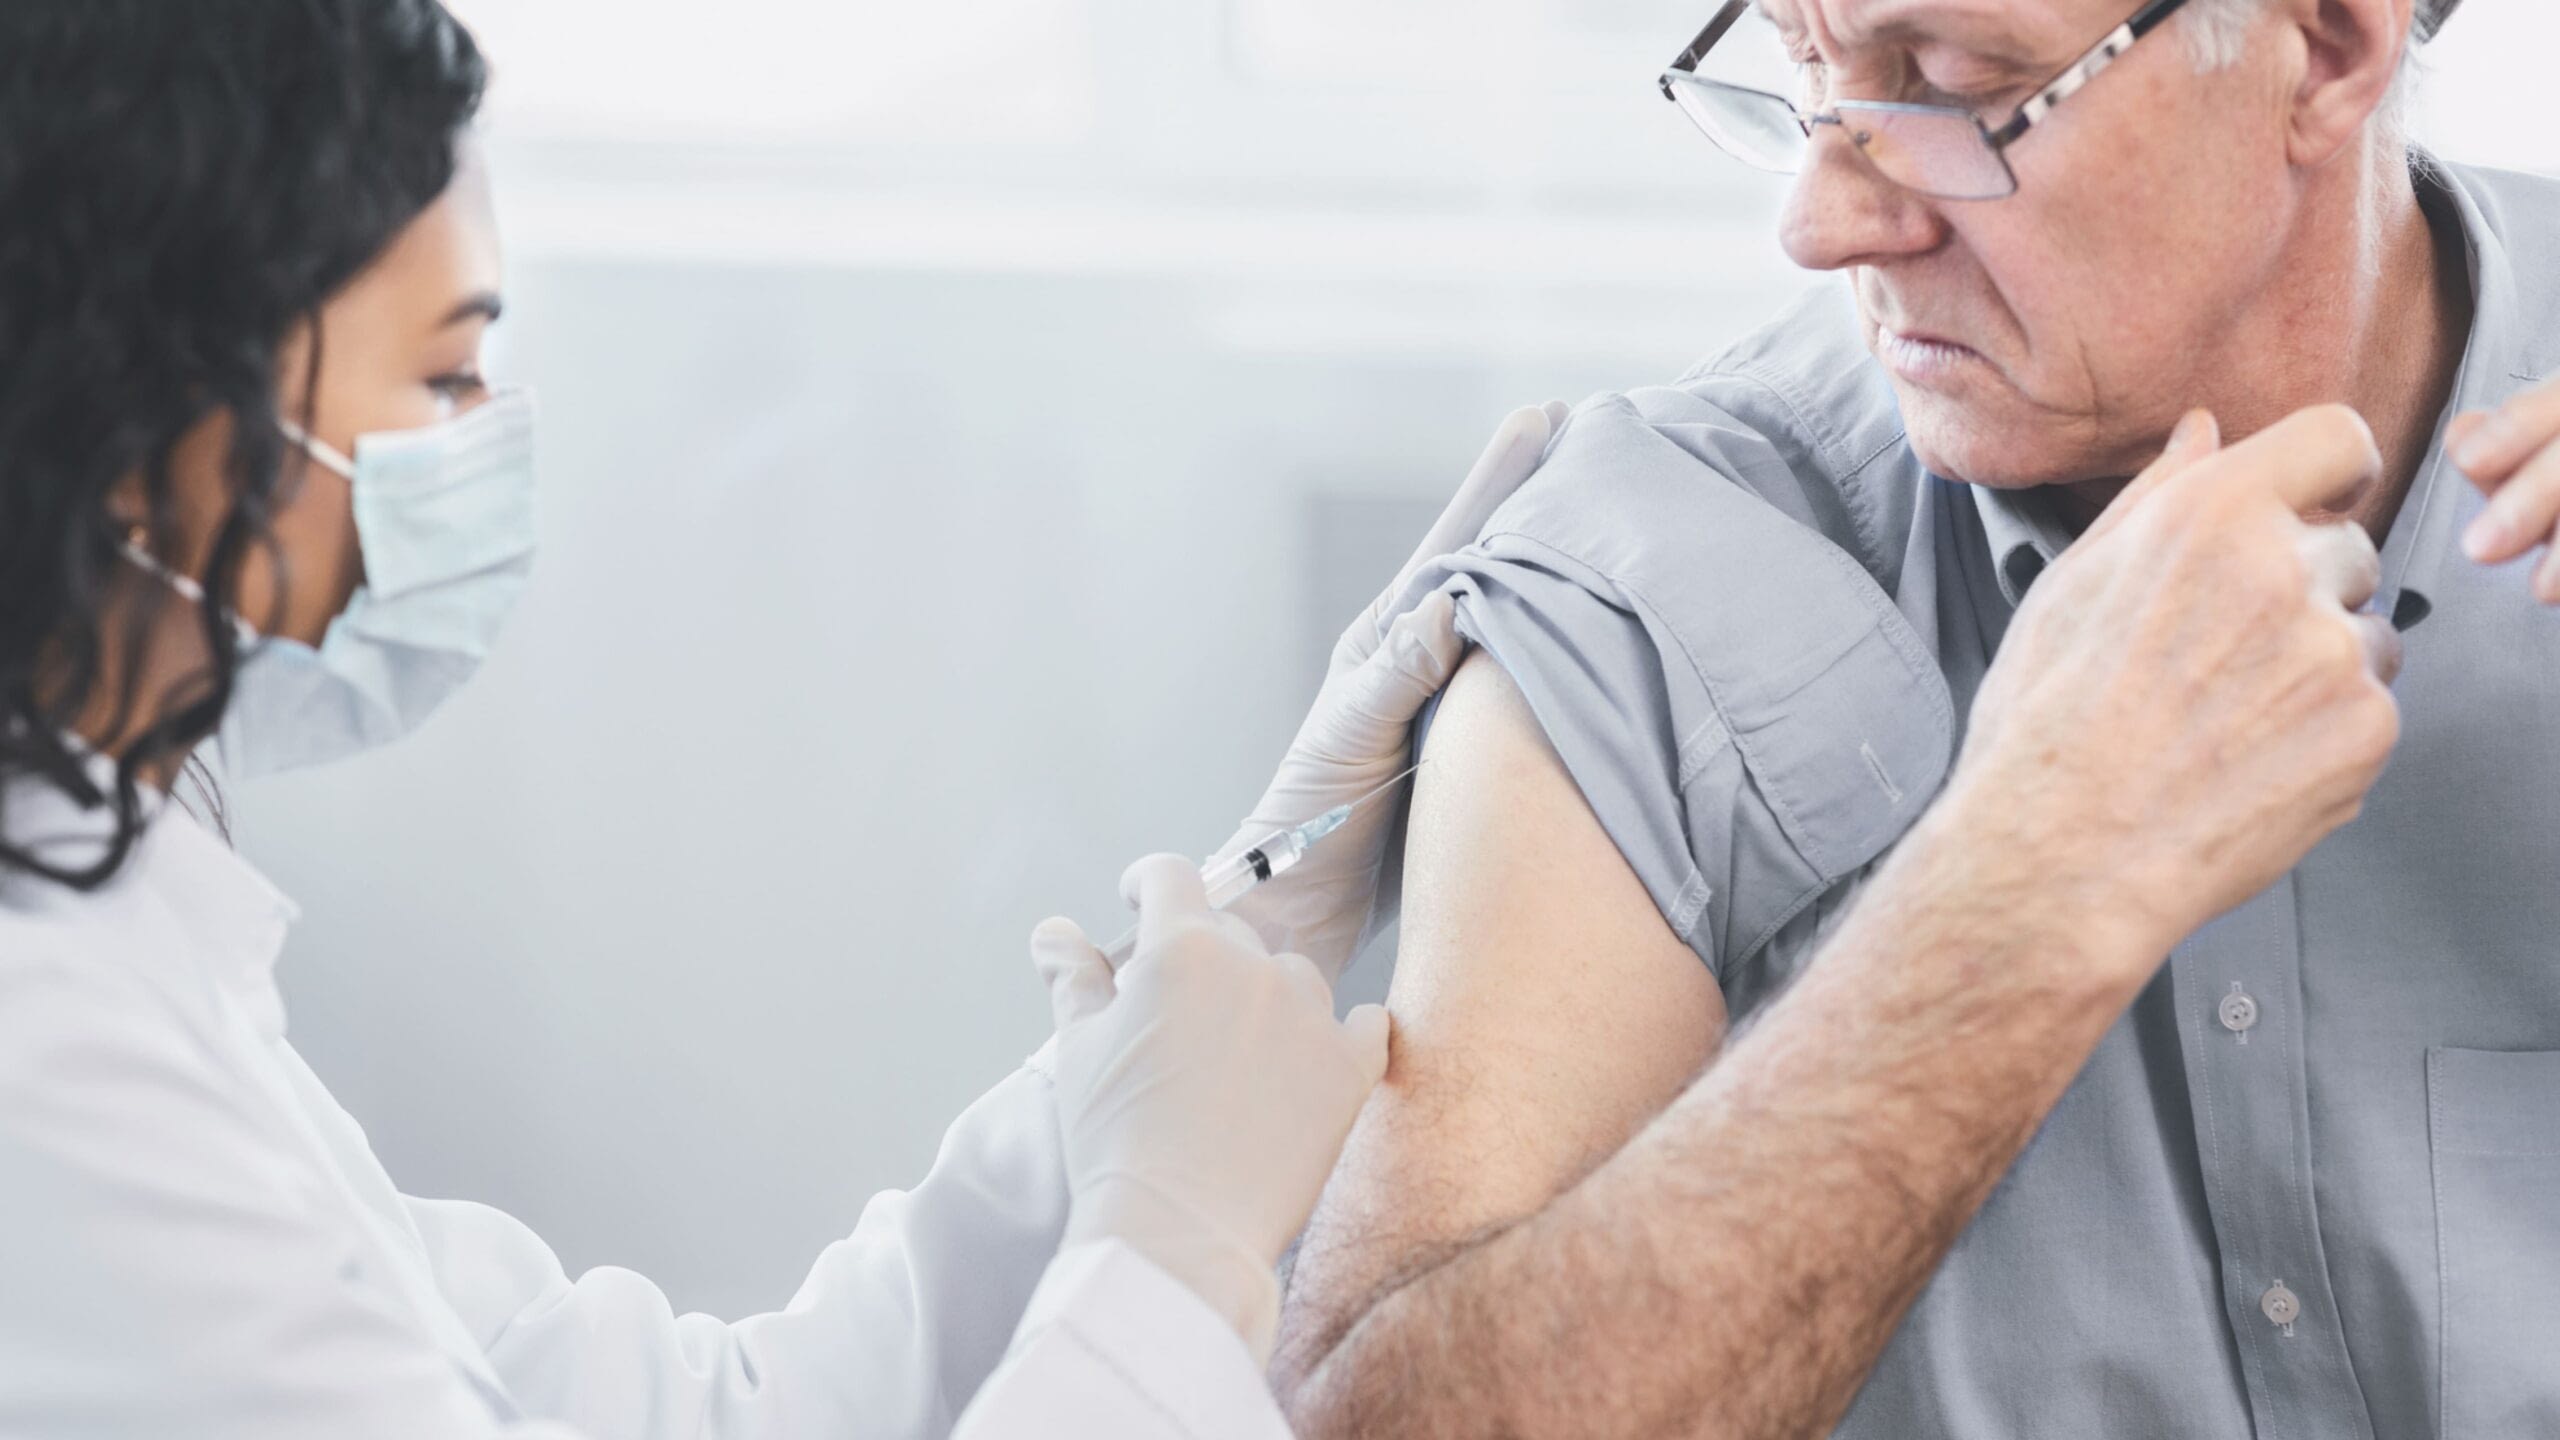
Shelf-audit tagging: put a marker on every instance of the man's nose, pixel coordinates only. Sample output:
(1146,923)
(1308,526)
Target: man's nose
(1842,212)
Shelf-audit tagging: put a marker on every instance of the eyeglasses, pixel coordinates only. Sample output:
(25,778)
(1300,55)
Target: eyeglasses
(1942,151)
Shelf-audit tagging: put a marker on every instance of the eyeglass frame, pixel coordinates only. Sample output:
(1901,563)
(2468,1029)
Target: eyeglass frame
(2052,93)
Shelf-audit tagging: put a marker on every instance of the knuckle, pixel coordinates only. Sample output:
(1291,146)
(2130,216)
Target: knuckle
(2368,559)
(2341,649)
(2342,437)
(2539,485)
(2201,505)
(1299,973)
(2386,719)
(2287,572)
(2375,731)
(2389,652)
(2339,423)
(1188,941)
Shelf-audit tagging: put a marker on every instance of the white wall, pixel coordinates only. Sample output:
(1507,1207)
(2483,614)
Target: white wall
(965,425)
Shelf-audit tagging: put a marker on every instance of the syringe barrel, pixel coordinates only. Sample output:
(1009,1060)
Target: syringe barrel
(1231,879)
(1235,877)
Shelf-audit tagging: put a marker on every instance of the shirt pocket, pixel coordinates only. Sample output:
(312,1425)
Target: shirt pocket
(2494,1127)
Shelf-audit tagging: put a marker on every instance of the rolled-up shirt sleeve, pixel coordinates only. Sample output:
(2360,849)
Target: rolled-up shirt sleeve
(1749,717)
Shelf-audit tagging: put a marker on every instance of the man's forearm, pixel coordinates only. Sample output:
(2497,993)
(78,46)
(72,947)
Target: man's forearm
(1735,1270)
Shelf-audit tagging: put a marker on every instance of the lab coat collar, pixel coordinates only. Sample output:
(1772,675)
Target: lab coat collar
(2025,536)
(225,914)
(237,917)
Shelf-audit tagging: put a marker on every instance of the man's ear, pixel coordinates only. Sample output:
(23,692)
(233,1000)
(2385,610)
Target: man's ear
(2350,55)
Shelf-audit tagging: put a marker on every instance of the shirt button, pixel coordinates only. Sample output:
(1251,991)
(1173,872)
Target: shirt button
(2239,1013)
(2282,1306)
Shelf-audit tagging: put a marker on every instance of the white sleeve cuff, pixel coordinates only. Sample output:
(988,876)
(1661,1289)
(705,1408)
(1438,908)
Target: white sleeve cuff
(1163,1345)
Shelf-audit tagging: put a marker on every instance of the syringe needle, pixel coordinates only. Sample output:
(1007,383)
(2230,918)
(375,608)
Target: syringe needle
(1356,806)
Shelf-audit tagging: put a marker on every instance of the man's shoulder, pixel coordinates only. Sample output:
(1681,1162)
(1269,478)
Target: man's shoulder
(2522,207)
(1694,592)
(1796,415)
(1806,377)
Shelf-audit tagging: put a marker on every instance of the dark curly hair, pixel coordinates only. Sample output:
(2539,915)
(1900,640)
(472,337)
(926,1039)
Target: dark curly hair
(183,185)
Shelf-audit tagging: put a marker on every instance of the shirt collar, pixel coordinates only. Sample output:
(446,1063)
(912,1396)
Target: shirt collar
(2493,365)
(2025,535)
(233,920)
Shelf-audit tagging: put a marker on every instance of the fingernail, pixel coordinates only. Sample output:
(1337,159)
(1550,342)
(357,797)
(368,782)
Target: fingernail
(2486,537)
(2546,581)
(2485,443)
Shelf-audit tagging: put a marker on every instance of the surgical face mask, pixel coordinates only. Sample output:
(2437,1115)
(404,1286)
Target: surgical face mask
(445,523)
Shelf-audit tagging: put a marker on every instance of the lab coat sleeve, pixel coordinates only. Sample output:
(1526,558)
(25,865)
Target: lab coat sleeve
(896,1327)
(171,1262)
(1113,1348)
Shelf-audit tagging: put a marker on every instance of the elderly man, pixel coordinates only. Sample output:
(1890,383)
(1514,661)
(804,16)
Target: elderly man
(1728,1006)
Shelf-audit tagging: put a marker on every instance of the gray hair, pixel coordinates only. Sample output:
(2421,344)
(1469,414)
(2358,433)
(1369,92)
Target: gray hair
(2218,33)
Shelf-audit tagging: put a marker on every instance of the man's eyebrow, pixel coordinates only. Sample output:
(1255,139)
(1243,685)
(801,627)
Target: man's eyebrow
(484,306)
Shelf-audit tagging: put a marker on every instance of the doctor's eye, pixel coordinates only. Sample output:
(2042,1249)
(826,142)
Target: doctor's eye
(459,390)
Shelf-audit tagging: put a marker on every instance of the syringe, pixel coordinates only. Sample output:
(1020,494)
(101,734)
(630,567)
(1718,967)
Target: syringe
(1239,875)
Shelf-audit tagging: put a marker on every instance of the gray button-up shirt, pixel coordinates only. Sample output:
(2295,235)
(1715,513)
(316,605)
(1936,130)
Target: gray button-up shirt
(2310,1185)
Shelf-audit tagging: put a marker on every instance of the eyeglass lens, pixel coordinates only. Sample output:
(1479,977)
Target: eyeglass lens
(1737,101)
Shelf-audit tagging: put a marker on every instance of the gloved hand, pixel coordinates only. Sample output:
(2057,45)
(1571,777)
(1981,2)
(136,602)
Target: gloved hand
(1203,1093)
(1385,669)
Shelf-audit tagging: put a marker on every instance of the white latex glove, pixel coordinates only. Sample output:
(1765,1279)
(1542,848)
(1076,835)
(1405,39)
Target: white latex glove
(1359,734)
(1203,1093)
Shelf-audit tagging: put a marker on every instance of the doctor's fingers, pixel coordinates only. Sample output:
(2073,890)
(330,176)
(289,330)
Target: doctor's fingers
(1386,690)
(1175,920)
(1361,1037)
(1509,459)
(1077,974)
(2343,564)
(1369,1033)
(1516,451)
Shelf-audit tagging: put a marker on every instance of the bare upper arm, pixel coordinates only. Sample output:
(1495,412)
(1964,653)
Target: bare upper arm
(1544,1012)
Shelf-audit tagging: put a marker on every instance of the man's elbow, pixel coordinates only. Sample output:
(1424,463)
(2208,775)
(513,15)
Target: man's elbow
(1318,1390)
(1314,1327)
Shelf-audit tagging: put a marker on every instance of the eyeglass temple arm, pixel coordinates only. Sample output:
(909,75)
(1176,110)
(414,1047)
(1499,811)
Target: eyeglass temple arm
(1726,19)
(2087,68)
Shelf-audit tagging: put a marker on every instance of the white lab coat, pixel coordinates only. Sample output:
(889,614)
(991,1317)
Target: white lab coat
(195,1240)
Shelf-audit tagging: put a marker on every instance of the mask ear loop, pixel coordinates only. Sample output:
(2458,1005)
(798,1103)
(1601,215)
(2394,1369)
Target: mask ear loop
(137,550)
(319,449)
(140,556)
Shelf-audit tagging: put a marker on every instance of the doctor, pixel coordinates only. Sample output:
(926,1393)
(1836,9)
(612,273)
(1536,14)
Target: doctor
(253,484)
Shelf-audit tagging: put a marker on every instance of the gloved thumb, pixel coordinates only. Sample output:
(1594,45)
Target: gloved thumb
(1369,1030)
(1506,465)
(1078,977)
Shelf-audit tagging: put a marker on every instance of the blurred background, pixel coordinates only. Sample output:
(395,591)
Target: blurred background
(966,426)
